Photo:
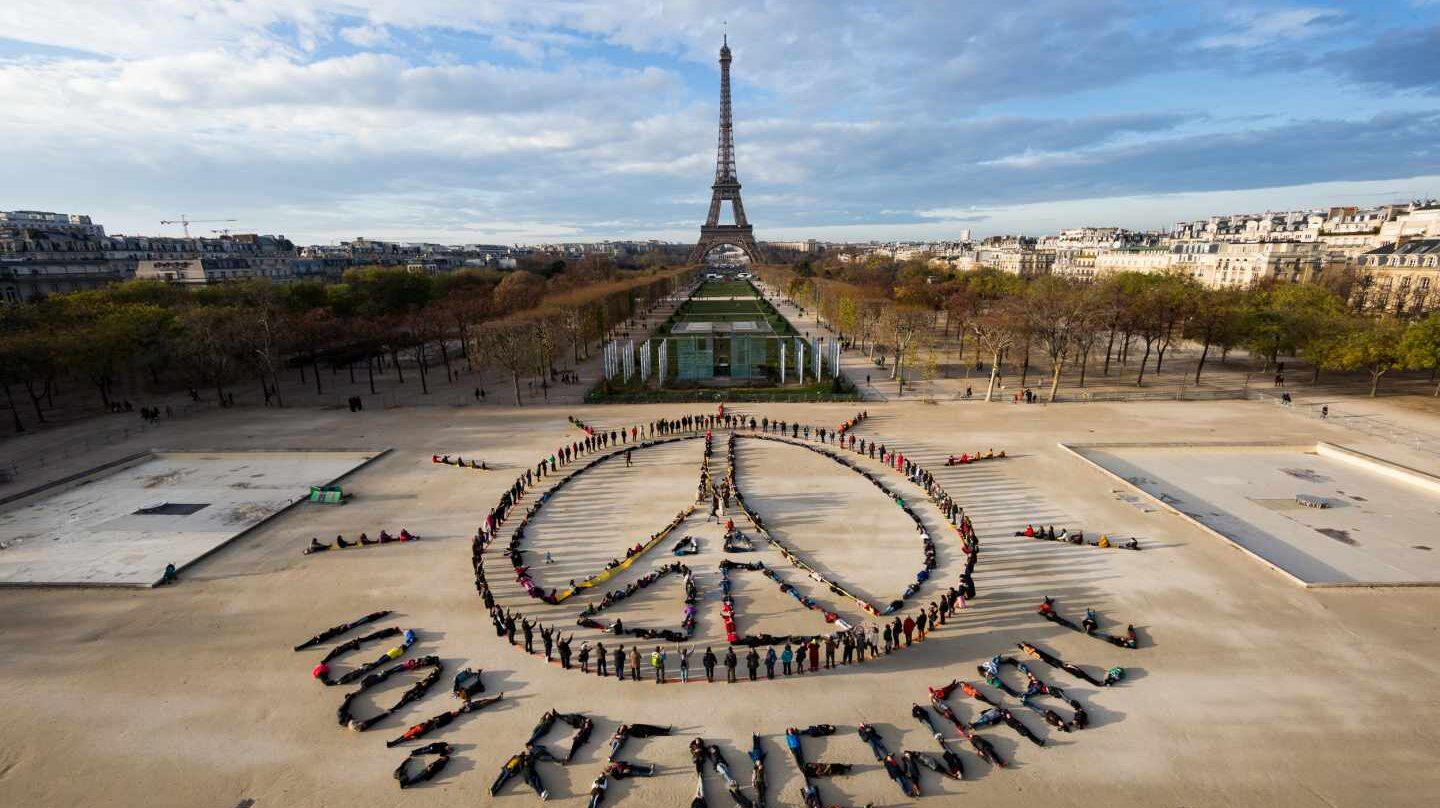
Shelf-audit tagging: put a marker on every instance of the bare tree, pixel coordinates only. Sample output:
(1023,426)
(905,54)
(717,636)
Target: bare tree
(905,324)
(995,333)
(1052,310)
(212,345)
(867,321)
(511,345)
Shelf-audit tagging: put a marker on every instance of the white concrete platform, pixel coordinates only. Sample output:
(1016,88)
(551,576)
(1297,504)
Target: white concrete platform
(90,532)
(1376,528)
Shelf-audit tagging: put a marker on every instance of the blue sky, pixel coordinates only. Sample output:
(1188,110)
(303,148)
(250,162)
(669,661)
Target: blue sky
(528,120)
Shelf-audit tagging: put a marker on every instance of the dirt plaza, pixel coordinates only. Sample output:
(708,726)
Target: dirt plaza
(191,694)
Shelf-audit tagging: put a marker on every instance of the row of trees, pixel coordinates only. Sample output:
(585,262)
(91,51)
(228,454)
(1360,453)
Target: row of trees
(1124,321)
(149,334)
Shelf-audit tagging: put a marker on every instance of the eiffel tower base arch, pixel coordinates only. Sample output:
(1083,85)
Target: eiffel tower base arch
(727,236)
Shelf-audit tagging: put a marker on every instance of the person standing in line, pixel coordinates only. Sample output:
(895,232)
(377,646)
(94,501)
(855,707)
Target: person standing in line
(635,663)
(787,656)
(909,628)
(685,663)
(620,663)
(709,662)
(752,663)
(601,658)
(657,661)
(770,662)
(814,655)
(730,663)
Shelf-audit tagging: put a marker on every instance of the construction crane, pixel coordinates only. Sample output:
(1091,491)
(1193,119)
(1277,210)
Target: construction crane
(186,222)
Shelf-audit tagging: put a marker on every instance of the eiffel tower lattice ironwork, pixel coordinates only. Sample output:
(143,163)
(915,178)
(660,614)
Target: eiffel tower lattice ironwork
(727,186)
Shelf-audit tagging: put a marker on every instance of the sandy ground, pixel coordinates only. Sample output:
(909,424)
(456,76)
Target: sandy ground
(1247,690)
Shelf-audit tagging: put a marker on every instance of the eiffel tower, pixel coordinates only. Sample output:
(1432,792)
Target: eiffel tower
(727,185)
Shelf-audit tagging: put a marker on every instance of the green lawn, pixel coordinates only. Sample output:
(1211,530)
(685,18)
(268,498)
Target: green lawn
(726,289)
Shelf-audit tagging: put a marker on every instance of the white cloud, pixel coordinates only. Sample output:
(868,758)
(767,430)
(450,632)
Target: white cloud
(432,116)
(1253,28)
(366,36)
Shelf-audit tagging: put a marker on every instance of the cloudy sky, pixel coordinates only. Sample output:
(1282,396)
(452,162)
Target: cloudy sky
(523,120)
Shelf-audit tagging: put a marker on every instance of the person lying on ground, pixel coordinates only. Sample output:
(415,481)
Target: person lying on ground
(597,791)
(986,750)
(424,728)
(322,670)
(542,727)
(531,775)
(390,655)
(922,715)
(932,764)
(626,731)
(943,692)
(508,769)
(757,773)
(621,769)
(406,779)
(827,769)
(911,766)
(792,742)
(897,773)
(954,767)
(335,631)
(871,736)
(583,727)
(1014,723)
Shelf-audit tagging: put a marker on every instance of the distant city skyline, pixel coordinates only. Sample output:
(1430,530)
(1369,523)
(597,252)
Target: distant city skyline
(499,123)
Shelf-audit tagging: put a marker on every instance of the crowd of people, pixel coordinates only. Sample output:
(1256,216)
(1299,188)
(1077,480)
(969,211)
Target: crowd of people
(1111,676)
(460,462)
(965,458)
(1047,533)
(1089,625)
(727,608)
(1034,689)
(415,692)
(587,619)
(322,671)
(792,655)
(852,642)
(340,543)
